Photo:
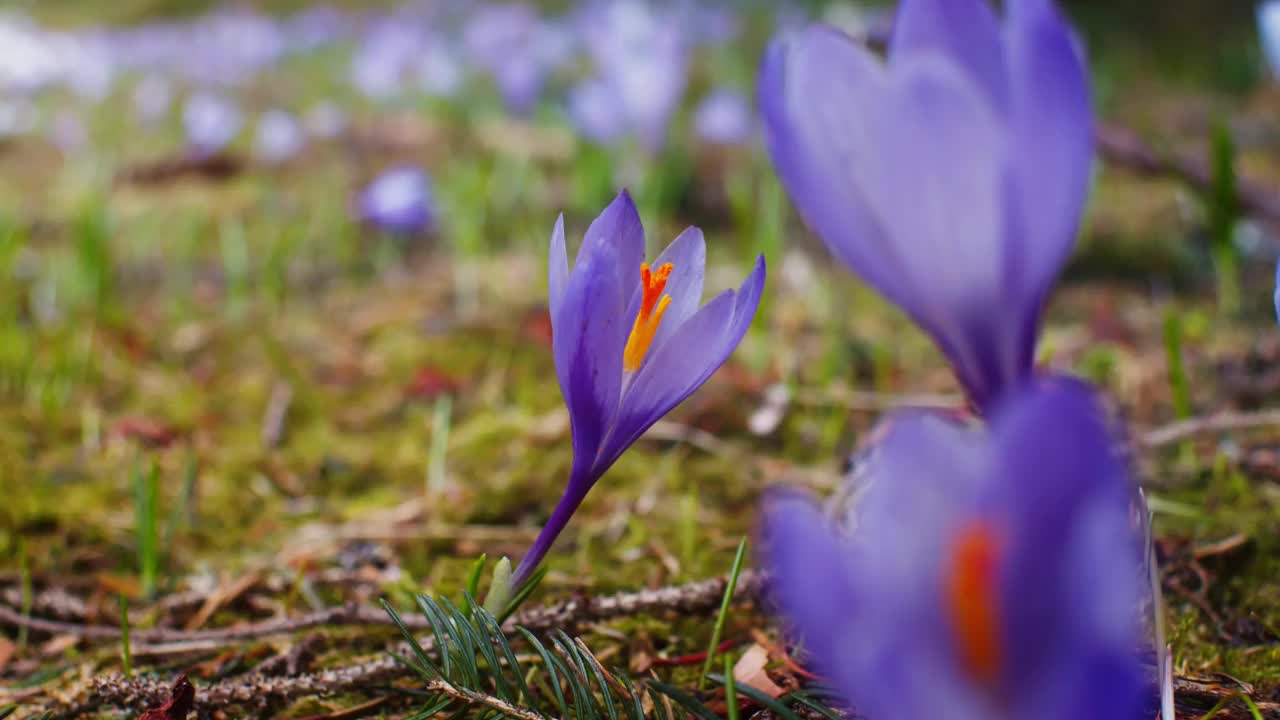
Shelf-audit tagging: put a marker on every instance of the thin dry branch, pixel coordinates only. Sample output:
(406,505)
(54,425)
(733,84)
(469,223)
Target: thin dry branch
(257,691)
(1123,148)
(570,613)
(1218,423)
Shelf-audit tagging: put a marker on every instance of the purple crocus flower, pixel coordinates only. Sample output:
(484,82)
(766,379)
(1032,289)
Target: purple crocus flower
(211,121)
(951,177)
(641,54)
(517,48)
(594,112)
(993,573)
(398,201)
(1276,297)
(724,118)
(627,352)
(325,120)
(279,137)
(152,98)
(1269,31)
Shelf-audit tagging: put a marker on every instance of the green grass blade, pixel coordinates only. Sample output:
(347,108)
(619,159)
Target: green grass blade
(723,616)
(730,689)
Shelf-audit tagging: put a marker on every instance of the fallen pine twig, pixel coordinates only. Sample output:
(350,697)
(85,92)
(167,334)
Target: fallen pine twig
(257,691)
(690,597)
(339,616)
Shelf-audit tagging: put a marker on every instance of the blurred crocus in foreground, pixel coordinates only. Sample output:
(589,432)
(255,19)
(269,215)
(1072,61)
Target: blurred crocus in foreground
(993,574)
(1269,30)
(950,177)
(398,201)
(630,342)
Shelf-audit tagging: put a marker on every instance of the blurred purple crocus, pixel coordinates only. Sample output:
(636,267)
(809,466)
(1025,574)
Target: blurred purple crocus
(152,98)
(398,201)
(211,121)
(641,55)
(279,137)
(517,48)
(995,574)
(1269,31)
(724,118)
(951,177)
(627,352)
(1276,297)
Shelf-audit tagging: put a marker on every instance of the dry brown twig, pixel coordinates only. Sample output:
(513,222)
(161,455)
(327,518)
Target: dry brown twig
(260,691)
(1218,423)
(1123,148)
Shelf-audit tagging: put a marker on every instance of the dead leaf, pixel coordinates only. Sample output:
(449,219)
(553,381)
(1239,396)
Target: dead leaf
(429,383)
(749,670)
(7,651)
(178,706)
(223,596)
(148,432)
(59,644)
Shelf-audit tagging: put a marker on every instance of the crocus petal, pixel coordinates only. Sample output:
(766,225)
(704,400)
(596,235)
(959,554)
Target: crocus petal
(812,581)
(815,85)
(688,257)
(1269,29)
(587,343)
(678,367)
(946,155)
(746,302)
(927,476)
(558,269)
(1045,480)
(965,30)
(1052,136)
(1276,298)
(670,374)
(1070,528)
(618,227)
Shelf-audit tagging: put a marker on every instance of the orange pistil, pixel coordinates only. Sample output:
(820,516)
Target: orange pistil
(652,305)
(971,604)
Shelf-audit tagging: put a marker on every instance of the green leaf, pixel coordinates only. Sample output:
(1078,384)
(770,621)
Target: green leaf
(779,708)
(551,669)
(523,593)
(605,691)
(424,665)
(685,700)
(493,630)
(477,569)
(442,636)
(484,643)
(814,704)
(635,708)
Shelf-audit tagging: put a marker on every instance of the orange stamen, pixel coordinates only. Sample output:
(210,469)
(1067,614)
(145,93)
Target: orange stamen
(652,306)
(971,603)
